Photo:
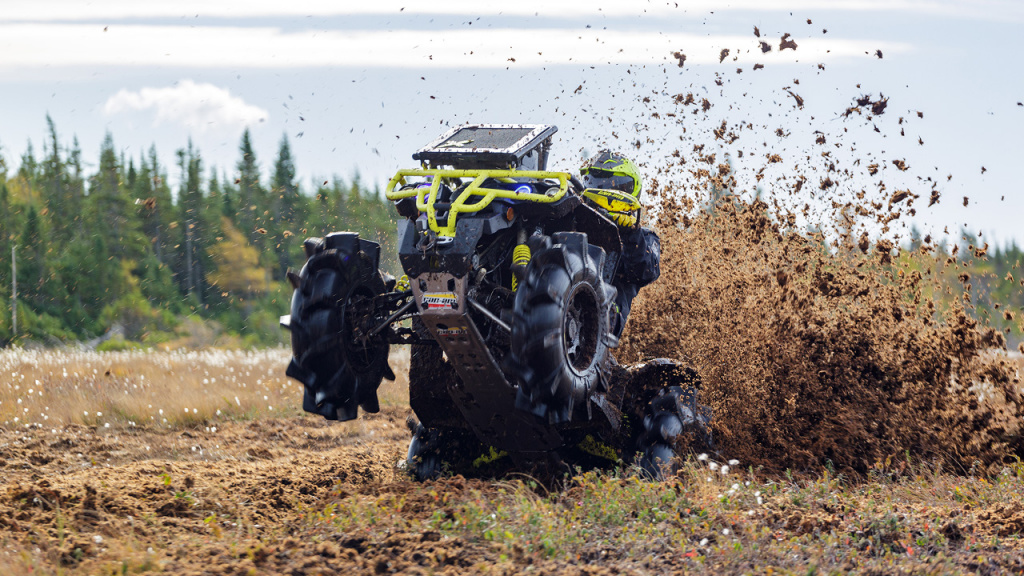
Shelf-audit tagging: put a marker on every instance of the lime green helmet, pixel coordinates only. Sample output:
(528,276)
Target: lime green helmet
(611,171)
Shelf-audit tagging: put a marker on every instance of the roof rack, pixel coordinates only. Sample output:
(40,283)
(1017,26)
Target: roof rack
(490,146)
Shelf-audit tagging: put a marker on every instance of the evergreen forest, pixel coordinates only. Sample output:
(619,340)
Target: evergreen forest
(120,259)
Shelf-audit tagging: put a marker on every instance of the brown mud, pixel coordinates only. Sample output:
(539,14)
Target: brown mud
(811,355)
(821,339)
(240,499)
(301,496)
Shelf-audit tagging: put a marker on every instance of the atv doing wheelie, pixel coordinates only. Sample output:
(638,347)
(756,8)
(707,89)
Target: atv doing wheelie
(506,301)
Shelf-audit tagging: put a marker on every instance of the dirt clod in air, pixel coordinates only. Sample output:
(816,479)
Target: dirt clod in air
(799,100)
(765,47)
(901,164)
(680,57)
(723,55)
(879,54)
(757,33)
(787,43)
(899,196)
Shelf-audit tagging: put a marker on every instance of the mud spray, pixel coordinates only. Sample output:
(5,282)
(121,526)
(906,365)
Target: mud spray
(818,339)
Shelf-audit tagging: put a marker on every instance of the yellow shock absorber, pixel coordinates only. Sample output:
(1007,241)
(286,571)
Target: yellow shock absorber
(403,283)
(520,258)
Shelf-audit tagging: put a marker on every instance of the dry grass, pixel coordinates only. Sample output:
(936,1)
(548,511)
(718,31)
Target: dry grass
(52,388)
(911,517)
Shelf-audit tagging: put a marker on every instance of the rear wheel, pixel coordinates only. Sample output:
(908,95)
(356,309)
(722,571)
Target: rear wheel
(560,336)
(437,451)
(339,364)
(673,421)
(430,379)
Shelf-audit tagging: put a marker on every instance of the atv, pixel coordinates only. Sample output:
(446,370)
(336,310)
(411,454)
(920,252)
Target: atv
(506,302)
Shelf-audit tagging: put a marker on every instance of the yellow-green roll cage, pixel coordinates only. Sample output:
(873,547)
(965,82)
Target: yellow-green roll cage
(427,197)
(622,208)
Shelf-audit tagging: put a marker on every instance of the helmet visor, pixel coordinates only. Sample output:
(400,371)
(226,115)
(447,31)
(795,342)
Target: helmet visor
(606,180)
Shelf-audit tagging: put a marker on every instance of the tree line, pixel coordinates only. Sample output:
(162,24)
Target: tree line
(119,248)
(205,263)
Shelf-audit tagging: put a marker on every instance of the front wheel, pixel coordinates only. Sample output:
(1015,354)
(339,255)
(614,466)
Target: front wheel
(338,362)
(561,335)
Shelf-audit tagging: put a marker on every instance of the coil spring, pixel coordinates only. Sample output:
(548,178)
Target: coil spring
(520,257)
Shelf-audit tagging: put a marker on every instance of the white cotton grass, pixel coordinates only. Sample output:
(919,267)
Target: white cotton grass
(154,388)
(714,466)
(744,493)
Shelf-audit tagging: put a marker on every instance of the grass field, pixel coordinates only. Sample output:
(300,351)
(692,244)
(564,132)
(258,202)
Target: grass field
(96,480)
(136,388)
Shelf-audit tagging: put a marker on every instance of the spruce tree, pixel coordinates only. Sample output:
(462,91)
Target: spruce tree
(53,182)
(31,266)
(29,168)
(113,215)
(194,229)
(250,195)
(287,207)
(76,188)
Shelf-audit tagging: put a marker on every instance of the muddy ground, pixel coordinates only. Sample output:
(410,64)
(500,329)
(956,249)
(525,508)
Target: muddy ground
(301,496)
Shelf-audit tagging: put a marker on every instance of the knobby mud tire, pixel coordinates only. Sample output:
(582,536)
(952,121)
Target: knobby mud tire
(561,333)
(673,422)
(430,379)
(339,373)
(437,451)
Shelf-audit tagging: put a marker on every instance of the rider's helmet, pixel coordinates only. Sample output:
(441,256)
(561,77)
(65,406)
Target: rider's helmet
(611,171)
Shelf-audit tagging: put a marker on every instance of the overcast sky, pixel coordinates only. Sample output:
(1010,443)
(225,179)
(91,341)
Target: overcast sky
(361,85)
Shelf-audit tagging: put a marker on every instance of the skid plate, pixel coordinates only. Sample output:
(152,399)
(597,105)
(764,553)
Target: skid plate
(483,395)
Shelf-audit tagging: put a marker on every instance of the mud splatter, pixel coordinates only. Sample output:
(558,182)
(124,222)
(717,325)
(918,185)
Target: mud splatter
(799,100)
(843,362)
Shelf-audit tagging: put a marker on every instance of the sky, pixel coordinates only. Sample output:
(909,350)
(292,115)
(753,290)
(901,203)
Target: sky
(359,86)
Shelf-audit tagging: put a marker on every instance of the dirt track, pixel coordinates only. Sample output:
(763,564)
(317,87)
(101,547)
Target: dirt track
(121,494)
(301,496)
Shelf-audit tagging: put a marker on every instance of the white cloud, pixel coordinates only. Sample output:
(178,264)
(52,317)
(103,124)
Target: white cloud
(120,10)
(42,46)
(197,106)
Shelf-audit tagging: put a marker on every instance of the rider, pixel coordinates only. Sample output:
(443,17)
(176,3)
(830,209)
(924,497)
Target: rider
(641,248)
